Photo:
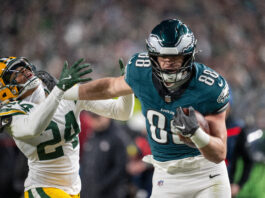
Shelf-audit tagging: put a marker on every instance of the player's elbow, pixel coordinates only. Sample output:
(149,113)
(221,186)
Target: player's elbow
(24,134)
(124,107)
(123,116)
(218,157)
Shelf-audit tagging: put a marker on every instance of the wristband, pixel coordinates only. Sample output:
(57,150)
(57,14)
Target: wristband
(200,138)
(72,93)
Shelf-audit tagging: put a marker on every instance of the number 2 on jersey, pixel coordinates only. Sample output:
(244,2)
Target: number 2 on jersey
(70,122)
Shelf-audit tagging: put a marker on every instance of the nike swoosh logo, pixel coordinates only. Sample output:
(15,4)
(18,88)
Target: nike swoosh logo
(221,83)
(67,78)
(212,176)
(180,127)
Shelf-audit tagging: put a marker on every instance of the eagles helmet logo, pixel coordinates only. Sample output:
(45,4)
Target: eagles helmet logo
(171,38)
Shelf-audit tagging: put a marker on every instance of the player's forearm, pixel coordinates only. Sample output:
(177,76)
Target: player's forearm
(27,126)
(215,151)
(104,88)
(97,90)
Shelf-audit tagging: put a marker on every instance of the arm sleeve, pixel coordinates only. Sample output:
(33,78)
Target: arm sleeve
(118,109)
(32,124)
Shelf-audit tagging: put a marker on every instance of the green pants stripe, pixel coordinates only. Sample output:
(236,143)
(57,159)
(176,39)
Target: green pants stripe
(42,193)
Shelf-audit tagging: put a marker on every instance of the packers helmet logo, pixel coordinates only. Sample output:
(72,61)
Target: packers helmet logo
(4,62)
(7,91)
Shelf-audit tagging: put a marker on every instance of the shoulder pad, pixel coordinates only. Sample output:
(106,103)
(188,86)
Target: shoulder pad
(12,108)
(214,86)
(140,60)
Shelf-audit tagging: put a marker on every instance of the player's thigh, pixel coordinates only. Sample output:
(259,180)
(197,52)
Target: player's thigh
(167,185)
(218,184)
(48,193)
(209,180)
(219,190)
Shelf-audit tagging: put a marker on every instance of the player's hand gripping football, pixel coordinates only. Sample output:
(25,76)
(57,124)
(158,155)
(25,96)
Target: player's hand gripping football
(72,75)
(184,124)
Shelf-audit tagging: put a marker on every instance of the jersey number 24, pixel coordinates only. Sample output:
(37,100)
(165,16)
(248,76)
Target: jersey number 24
(70,122)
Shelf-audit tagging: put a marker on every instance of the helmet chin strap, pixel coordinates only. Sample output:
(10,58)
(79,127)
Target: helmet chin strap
(173,81)
(37,96)
(174,77)
(30,84)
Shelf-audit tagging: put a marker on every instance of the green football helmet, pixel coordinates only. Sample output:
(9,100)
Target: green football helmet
(172,38)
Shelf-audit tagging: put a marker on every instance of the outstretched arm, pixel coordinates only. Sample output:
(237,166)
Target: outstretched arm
(29,125)
(92,97)
(118,109)
(35,122)
(104,88)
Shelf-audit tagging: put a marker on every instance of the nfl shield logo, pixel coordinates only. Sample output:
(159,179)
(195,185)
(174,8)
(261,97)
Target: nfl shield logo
(160,183)
(168,99)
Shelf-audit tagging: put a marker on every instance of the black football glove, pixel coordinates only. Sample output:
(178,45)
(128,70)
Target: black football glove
(184,124)
(72,75)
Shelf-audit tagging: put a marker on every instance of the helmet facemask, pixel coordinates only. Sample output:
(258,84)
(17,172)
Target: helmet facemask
(172,78)
(172,38)
(10,88)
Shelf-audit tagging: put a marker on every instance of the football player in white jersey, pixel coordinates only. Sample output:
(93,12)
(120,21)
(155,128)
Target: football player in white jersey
(45,126)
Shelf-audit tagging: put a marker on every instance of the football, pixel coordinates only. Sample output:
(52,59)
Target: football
(203,124)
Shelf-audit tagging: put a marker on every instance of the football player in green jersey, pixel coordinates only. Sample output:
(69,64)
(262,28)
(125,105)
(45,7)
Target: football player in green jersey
(45,127)
(167,79)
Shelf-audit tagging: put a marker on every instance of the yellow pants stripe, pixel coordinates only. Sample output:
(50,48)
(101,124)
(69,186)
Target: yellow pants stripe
(48,193)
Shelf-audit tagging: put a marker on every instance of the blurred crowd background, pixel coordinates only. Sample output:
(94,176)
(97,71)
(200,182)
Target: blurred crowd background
(230,36)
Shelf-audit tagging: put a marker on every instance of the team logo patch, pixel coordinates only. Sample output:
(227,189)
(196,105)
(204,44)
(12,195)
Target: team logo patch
(224,94)
(160,183)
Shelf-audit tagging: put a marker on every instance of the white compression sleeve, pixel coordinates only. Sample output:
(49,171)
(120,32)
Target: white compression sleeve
(32,124)
(120,109)
(72,93)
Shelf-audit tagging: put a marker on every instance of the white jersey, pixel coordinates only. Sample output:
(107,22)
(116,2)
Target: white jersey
(53,156)
(53,153)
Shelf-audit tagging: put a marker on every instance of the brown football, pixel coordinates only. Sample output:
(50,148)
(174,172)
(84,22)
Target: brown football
(203,124)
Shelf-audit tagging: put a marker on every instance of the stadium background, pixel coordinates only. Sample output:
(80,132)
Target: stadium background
(230,37)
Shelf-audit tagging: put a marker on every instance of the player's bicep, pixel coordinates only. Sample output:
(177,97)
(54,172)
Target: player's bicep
(120,87)
(18,128)
(26,126)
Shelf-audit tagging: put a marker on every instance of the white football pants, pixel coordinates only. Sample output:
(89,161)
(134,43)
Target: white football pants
(194,177)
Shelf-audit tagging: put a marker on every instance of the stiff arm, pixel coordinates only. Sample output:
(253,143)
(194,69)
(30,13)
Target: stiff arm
(104,88)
